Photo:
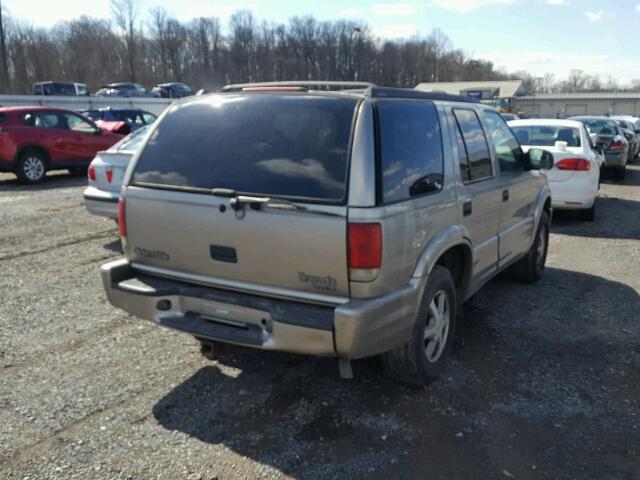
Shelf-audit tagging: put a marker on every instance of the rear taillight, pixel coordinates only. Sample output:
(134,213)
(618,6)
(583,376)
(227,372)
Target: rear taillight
(122,218)
(573,164)
(108,173)
(365,245)
(91,173)
(617,145)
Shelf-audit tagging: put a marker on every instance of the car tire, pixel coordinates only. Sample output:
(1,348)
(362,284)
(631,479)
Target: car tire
(621,172)
(588,214)
(31,167)
(531,268)
(423,358)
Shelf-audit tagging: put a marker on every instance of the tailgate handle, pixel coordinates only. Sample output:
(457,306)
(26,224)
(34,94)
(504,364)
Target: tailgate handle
(223,254)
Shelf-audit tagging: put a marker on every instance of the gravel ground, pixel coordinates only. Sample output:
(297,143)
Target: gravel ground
(544,380)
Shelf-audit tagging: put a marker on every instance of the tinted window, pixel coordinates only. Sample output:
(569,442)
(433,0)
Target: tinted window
(601,127)
(546,135)
(410,149)
(281,145)
(507,147)
(477,153)
(463,157)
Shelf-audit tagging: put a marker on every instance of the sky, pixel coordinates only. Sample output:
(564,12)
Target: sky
(539,36)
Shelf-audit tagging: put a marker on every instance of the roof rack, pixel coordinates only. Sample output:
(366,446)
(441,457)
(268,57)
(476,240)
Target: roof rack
(328,85)
(390,92)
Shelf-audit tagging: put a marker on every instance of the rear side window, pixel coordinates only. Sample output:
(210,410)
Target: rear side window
(410,149)
(278,145)
(475,157)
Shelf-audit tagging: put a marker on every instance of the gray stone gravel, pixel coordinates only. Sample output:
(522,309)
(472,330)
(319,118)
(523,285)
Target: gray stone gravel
(544,380)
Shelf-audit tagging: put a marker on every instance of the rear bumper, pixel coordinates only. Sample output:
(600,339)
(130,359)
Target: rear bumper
(357,329)
(617,159)
(102,203)
(573,194)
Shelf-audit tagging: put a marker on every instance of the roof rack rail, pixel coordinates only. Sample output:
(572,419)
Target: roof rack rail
(390,92)
(328,85)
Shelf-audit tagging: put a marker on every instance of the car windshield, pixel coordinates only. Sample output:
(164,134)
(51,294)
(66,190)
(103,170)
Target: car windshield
(601,127)
(278,145)
(132,141)
(546,135)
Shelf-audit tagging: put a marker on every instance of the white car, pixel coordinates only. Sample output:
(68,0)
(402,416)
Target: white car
(575,176)
(105,174)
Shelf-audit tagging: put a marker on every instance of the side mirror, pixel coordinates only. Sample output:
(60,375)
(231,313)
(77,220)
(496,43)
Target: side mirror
(540,159)
(97,130)
(594,138)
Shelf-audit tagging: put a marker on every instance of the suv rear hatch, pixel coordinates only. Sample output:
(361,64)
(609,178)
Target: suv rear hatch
(246,191)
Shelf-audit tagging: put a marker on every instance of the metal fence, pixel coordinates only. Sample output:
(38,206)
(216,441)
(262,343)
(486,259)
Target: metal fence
(153,105)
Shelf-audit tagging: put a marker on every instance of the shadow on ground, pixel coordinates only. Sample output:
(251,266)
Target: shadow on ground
(55,179)
(516,382)
(616,218)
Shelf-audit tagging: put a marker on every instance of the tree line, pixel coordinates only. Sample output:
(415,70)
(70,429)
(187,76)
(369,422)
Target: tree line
(156,47)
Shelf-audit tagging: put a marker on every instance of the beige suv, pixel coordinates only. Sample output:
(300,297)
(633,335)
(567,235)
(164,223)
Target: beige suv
(344,224)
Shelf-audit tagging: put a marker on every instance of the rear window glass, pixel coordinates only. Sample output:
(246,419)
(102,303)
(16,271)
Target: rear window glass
(278,145)
(601,127)
(132,141)
(546,135)
(410,149)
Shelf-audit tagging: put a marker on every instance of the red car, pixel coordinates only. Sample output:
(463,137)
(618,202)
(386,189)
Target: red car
(36,139)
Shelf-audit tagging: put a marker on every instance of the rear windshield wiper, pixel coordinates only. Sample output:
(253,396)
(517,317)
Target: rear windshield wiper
(258,203)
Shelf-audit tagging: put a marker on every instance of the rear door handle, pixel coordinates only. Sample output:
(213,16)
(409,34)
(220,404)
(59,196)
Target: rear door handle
(505,195)
(467,208)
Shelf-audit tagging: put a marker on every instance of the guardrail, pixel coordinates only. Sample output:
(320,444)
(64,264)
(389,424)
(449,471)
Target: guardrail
(153,105)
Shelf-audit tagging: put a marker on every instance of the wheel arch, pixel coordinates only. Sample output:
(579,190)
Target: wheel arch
(452,249)
(32,146)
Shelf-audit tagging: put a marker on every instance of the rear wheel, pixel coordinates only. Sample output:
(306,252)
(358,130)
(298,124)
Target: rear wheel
(589,214)
(32,167)
(621,172)
(422,359)
(531,268)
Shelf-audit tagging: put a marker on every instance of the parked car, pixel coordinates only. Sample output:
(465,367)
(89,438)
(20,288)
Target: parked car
(575,176)
(36,139)
(121,120)
(327,223)
(631,129)
(123,90)
(173,90)
(106,172)
(60,88)
(607,135)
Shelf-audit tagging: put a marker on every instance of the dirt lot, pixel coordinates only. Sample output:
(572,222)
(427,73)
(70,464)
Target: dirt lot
(544,381)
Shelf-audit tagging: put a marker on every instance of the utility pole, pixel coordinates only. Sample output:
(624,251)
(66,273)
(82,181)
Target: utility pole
(4,69)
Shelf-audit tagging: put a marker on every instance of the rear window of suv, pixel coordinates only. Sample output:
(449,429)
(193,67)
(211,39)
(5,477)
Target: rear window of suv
(269,144)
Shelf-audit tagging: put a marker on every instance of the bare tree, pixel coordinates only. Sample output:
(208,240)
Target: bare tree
(125,13)
(4,67)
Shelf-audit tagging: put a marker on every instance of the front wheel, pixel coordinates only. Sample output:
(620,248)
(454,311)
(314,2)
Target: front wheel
(423,358)
(531,268)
